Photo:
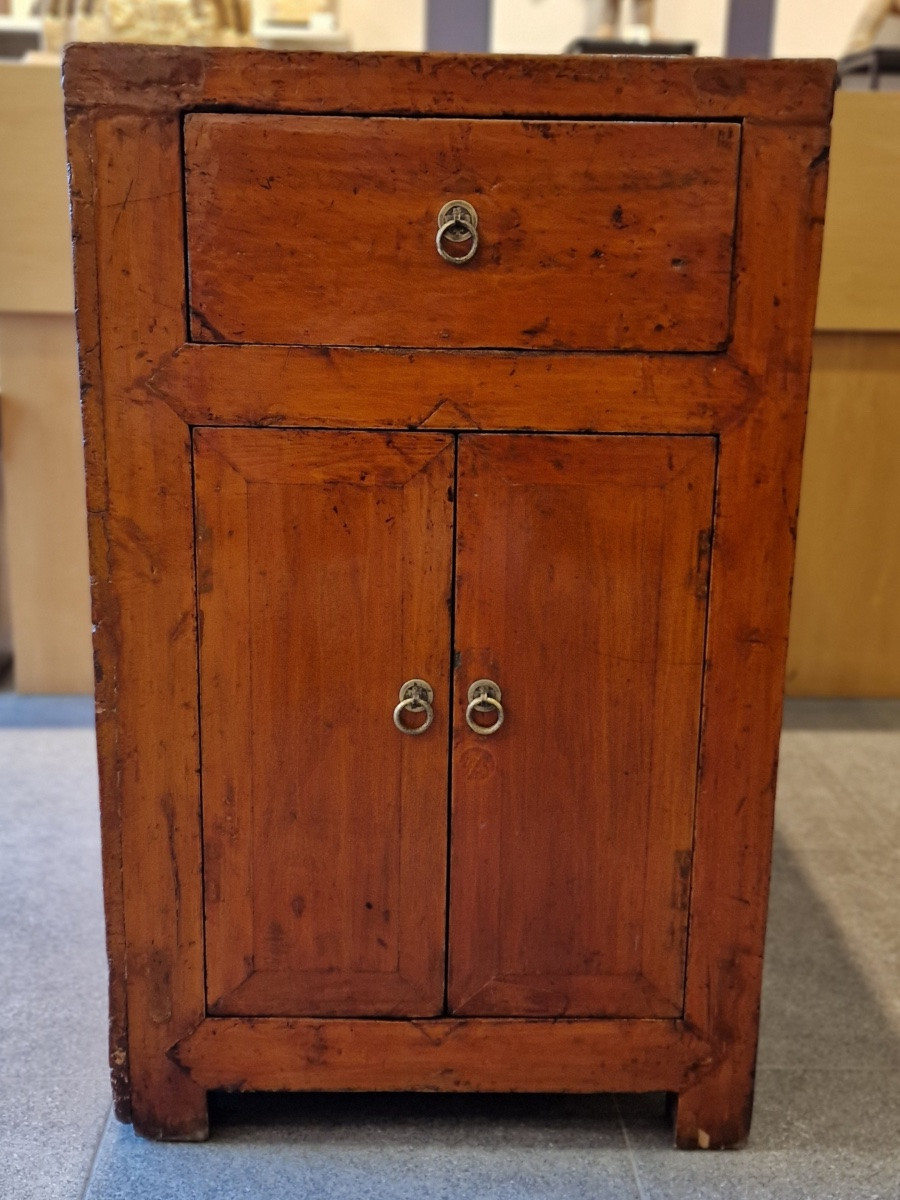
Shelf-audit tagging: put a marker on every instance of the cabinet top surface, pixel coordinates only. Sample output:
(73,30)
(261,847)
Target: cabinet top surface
(165,78)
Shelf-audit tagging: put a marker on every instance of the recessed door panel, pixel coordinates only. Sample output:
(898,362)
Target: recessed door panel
(323,564)
(582,569)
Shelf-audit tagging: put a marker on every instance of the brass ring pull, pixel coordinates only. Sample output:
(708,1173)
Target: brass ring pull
(457,222)
(483,696)
(415,696)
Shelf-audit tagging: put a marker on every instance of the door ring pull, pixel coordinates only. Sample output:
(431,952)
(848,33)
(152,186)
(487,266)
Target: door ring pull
(415,696)
(483,696)
(457,222)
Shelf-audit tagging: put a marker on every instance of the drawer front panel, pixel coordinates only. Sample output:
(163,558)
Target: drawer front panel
(324,577)
(591,234)
(582,571)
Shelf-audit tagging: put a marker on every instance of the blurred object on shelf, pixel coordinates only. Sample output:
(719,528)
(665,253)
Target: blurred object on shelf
(616,35)
(880,64)
(298,12)
(18,35)
(614,27)
(272,35)
(298,25)
(172,22)
(597,45)
(872,26)
(873,52)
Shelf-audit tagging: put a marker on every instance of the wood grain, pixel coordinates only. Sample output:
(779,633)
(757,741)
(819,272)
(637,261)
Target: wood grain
(442,1056)
(756,507)
(845,617)
(321,230)
(581,591)
(324,574)
(170,78)
(144,605)
(80,151)
(860,284)
(346,388)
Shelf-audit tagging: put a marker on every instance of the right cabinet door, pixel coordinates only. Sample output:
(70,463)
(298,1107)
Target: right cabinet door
(582,582)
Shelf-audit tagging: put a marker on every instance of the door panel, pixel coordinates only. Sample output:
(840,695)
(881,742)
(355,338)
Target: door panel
(582,570)
(323,565)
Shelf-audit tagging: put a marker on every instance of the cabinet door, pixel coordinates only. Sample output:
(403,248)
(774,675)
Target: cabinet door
(582,569)
(323,566)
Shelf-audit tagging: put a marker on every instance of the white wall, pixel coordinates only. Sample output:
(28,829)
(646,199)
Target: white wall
(702,21)
(535,26)
(384,24)
(821,31)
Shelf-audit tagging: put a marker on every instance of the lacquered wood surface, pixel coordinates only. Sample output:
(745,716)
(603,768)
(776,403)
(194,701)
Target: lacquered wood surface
(757,492)
(324,576)
(581,580)
(442,1055)
(143,389)
(321,230)
(341,387)
(150,78)
(143,591)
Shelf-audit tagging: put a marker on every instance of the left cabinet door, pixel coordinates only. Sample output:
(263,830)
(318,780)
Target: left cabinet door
(324,579)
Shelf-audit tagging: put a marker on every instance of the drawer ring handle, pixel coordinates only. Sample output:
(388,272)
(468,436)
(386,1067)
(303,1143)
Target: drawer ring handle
(483,696)
(457,222)
(416,696)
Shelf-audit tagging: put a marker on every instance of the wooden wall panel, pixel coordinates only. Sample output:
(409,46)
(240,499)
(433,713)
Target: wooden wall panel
(46,526)
(845,619)
(860,284)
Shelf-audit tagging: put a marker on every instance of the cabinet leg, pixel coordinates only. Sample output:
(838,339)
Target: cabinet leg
(715,1113)
(170,1107)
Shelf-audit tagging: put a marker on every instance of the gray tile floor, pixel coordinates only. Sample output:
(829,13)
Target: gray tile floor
(827,1121)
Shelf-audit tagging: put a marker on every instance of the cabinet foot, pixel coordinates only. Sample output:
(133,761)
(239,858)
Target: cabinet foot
(714,1114)
(176,1111)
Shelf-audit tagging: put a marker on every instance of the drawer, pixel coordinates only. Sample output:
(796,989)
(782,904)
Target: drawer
(609,235)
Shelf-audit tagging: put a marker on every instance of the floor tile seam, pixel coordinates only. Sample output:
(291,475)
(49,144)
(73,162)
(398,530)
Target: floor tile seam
(628,1148)
(890,1071)
(95,1157)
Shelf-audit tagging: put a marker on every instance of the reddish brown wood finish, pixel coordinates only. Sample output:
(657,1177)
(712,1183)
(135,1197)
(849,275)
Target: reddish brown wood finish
(581,579)
(321,230)
(756,512)
(164,78)
(434,389)
(143,595)
(444,1055)
(143,389)
(103,603)
(324,575)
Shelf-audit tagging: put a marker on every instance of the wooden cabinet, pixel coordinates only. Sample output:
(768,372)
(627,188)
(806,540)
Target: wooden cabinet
(443,424)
